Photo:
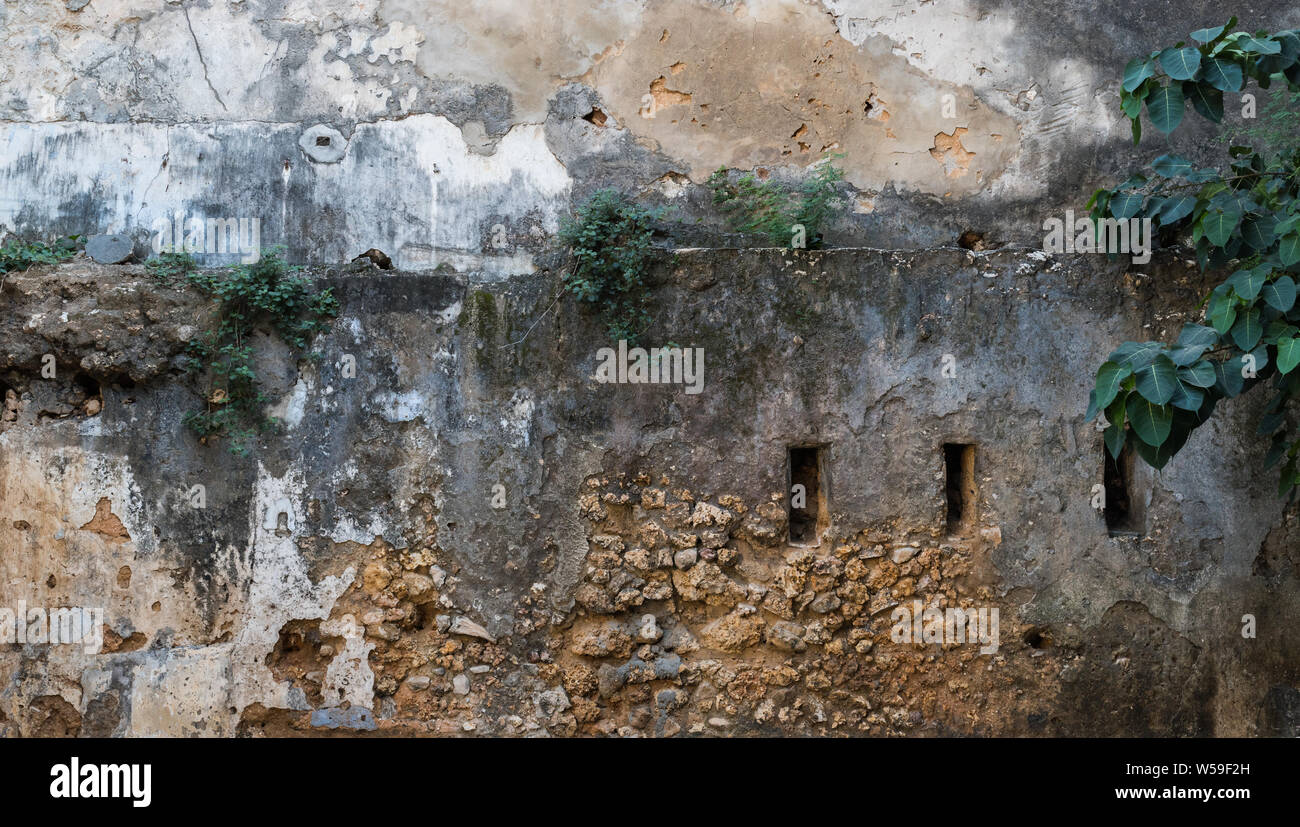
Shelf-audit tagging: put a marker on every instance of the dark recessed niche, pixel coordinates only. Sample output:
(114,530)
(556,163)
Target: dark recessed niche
(88,384)
(1037,637)
(959,486)
(1123,510)
(807,494)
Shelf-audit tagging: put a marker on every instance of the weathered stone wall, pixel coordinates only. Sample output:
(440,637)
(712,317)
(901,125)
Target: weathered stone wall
(634,577)
(472,535)
(446,119)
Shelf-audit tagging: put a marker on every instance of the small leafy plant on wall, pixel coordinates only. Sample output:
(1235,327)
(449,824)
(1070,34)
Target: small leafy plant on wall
(265,294)
(17,255)
(611,237)
(1244,219)
(785,215)
(611,240)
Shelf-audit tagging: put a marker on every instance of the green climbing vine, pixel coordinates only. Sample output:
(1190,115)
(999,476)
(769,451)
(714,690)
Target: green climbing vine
(266,293)
(1244,219)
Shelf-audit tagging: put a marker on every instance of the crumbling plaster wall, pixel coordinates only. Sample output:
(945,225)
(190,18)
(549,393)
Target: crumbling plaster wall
(354,573)
(952,116)
(358,572)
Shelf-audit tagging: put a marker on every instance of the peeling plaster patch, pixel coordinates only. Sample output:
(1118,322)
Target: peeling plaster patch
(529,48)
(970,44)
(519,424)
(770,84)
(54,490)
(182,693)
(477,139)
(956,41)
(406,406)
(429,207)
(398,43)
(449,314)
(291,407)
(665,97)
(670,185)
(949,152)
(348,678)
(348,529)
(106,523)
(280,590)
(1062,111)
(491,269)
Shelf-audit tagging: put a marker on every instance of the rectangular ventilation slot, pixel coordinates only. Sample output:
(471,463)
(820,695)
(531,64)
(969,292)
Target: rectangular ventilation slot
(806,505)
(1123,512)
(959,476)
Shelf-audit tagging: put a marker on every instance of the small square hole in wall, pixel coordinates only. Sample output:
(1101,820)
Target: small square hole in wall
(807,490)
(1123,509)
(959,487)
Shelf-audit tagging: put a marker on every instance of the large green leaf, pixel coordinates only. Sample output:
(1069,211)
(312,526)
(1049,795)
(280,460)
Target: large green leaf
(1222,74)
(1260,355)
(1208,35)
(1197,335)
(1194,341)
(1290,44)
(1228,380)
(1288,355)
(1130,104)
(1136,73)
(1165,108)
(1289,249)
(1205,99)
(1114,437)
(1259,232)
(1109,378)
(1115,412)
(1181,64)
(1256,45)
(1248,329)
(1136,354)
(1247,283)
(1280,294)
(1176,207)
(1158,381)
(1279,329)
(1171,166)
(1200,374)
(1219,224)
(1149,420)
(1126,204)
(1158,456)
(1187,397)
(1222,311)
